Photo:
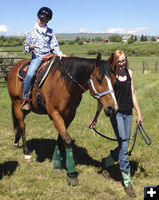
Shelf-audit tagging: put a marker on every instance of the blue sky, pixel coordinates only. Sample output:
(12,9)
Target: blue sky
(74,16)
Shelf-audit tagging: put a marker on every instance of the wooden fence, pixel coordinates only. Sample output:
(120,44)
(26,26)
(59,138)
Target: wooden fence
(7,60)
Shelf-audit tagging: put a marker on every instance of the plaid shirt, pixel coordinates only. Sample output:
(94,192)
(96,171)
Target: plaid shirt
(43,42)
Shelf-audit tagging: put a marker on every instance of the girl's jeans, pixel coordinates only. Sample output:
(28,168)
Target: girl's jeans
(122,124)
(34,64)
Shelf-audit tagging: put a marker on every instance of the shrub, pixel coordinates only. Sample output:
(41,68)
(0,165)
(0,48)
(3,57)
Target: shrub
(80,42)
(61,42)
(71,42)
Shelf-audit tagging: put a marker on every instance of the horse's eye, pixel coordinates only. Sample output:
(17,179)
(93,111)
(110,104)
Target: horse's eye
(99,81)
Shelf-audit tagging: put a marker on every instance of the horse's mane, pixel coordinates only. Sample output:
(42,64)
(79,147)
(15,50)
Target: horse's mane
(79,69)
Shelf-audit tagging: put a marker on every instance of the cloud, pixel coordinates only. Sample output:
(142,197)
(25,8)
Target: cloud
(3,28)
(87,30)
(137,30)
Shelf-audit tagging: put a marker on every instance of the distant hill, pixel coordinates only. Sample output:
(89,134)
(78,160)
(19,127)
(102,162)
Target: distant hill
(72,36)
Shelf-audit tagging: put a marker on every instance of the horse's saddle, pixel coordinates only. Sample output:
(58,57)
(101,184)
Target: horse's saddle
(42,71)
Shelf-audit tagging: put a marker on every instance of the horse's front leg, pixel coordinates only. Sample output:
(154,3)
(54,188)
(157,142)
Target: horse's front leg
(57,157)
(67,141)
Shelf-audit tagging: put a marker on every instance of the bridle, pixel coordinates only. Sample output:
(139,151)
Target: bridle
(96,94)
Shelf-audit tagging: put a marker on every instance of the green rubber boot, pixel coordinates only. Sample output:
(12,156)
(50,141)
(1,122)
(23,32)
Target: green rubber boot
(109,161)
(106,163)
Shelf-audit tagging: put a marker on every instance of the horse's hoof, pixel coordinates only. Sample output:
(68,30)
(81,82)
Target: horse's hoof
(28,158)
(72,179)
(58,171)
(16,144)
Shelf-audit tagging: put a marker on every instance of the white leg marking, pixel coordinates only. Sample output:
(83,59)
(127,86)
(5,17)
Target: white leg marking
(27,157)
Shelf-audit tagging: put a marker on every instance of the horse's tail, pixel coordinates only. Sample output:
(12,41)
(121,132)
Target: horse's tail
(15,120)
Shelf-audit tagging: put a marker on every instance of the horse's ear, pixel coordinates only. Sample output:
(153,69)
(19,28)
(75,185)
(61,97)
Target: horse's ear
(99,58)
(111,58)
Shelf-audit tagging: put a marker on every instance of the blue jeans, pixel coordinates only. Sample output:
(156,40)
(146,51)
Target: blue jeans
(34,64)
(122,124)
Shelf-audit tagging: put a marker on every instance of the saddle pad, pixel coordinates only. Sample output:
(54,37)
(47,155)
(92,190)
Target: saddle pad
(40,77)
(23,70)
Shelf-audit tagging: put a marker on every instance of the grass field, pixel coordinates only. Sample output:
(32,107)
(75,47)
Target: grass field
(20,180)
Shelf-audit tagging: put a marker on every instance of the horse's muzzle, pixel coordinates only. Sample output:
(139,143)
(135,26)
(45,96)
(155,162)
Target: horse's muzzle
(110,111)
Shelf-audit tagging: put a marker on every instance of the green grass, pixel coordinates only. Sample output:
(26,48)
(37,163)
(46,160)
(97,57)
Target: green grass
(20,180)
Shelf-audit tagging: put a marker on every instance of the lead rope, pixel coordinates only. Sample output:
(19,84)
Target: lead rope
(142,131)
(146,137)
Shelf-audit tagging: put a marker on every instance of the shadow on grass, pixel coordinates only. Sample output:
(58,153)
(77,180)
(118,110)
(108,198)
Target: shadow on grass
(136,170)
(44,149)
(7,168)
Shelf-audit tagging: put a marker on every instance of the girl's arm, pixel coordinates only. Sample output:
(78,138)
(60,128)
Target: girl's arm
(136,106)
(94,121)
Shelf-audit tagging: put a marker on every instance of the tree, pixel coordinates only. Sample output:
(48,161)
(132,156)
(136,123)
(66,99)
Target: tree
(135,38)
(152,39)
(142,38)
(145,38)
(98,39)
(115,38)
(131,39)
(77,39)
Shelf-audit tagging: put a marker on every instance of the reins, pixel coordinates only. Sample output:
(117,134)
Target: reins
(96,95)
(76,82)
(139,127)
(72,79)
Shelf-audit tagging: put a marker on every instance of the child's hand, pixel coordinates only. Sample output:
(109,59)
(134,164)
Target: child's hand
(31,47)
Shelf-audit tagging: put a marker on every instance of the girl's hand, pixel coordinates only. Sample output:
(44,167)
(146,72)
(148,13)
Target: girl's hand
(139,119)
(93,124)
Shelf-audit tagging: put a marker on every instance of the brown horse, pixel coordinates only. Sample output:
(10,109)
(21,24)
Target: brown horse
(61,94)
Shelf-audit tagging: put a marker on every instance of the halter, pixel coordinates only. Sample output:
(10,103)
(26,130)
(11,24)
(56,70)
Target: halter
(98,95)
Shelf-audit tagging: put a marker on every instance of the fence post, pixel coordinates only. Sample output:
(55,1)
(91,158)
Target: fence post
(143,66)
(156,63)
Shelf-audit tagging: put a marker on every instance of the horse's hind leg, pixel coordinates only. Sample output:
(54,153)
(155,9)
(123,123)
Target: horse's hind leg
(19,126)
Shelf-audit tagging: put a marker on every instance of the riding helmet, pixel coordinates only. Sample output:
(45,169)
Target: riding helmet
(45,13)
